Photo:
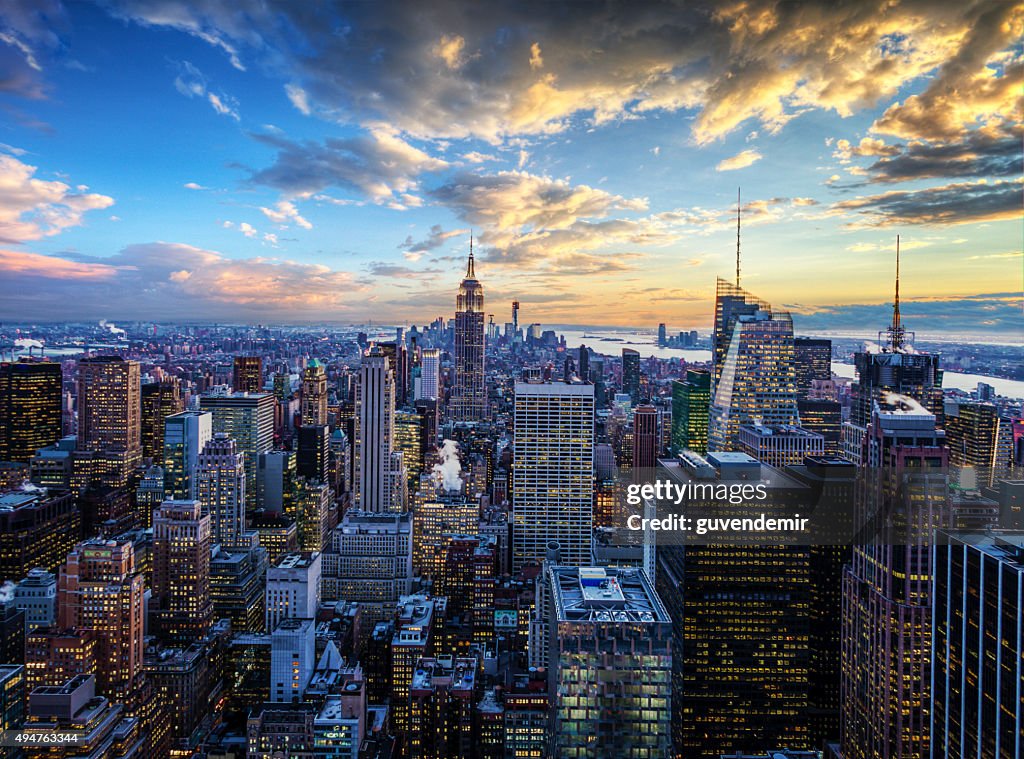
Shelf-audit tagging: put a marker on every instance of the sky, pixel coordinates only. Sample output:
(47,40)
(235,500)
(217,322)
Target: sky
(253,161)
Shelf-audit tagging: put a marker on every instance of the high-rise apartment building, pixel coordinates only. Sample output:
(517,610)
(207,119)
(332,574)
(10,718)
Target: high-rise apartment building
(978,648)
(185,436)
(247,418)
(314,394)
(552,471)
(247,374)
(110,406)
(691,401)
(609,662)
(379,471)
(887,590)
(469,393)
(220,489)
(181,570)
(30,408)
(754,374)
(100,589)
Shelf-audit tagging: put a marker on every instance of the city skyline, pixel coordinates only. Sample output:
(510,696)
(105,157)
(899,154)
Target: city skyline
(161,162)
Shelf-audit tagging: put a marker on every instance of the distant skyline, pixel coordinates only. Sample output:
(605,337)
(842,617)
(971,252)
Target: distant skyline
(253,161)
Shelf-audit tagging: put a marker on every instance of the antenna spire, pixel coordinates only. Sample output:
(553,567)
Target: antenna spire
(737,237)
(896,331)
(470,274)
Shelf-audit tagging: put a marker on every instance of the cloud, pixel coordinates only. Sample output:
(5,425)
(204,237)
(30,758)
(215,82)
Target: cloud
(32,208)
(247,229)
(284,213)
(987,312)
(739,161)
(162,280)
(30,39)
(453,73)
(396,271)
(379,165)
(194,186)
(191,83)
(437,237)
(298,98)
(475,157)
(958,203)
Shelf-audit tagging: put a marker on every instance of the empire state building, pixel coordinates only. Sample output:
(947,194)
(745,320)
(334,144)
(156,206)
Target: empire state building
(469,394)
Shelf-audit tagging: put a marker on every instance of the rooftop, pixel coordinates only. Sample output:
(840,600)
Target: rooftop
(599,594)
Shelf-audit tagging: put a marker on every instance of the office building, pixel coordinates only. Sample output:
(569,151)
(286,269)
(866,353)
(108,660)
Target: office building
(100,589)
(973,436)
(552,471)
(247,375)
(30,408)
(236,587)
(185,436)
(36,595)
(691,400)
(779,445)
(313,514)
(754,374)
(314,394)
(443,695)
(293,588)
(110,407)
(369,559)
(181,570)
(813,360)
(610,663)
(825,418)
(430,374)
(740,616)
(312,459)
(160,399)
(631,374)
(247,418)
(379,471)
(220,489)
(277,475)
(292,659)
(54,656)
(36,530)
(978,648)
(469,392)
(646,441)
(887,590)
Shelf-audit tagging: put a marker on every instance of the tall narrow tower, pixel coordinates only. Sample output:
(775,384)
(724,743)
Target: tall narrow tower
(469,395)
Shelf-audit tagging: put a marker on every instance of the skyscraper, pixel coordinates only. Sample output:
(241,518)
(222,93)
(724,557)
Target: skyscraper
(181,570)
(973,436)
(469,394)
(30,408)
(754,375)
(293,588)
(247,375)
(430,374)
(813,358)
(220,479)
(553,471)
(248,418)
(691,400)
(109,406)
(887,591)
(185,436)
(977,654)
(159,401)
(314,394)
(610,662)
(100,589)
(646,441)
(631,374)
(379,473)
